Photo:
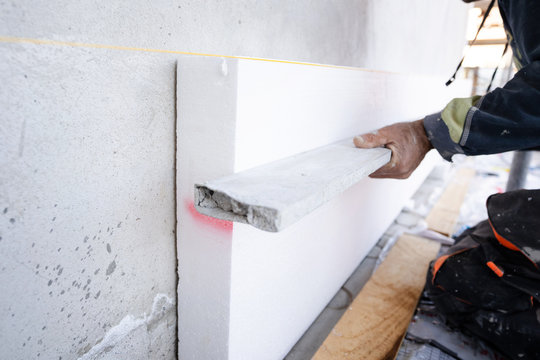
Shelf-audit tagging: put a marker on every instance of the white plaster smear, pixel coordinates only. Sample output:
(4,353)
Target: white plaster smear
(161,307)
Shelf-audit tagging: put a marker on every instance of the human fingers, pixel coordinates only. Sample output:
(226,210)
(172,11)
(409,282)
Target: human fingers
(394,168)
(370,140)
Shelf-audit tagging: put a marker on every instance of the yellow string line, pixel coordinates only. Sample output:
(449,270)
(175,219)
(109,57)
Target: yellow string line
(10,39)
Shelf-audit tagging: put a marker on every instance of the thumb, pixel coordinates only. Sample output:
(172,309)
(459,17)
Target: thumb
(371,140)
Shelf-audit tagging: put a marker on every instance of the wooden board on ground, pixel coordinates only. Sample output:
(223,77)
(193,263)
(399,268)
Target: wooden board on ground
(373,326)
(444,215)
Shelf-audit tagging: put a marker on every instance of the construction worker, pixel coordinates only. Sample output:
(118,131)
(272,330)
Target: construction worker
(504,119)
(489,282)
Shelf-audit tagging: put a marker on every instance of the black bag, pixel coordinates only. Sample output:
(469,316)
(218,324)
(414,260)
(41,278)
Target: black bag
(489,282)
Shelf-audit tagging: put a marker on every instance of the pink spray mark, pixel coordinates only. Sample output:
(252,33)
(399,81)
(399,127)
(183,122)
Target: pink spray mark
(209,221)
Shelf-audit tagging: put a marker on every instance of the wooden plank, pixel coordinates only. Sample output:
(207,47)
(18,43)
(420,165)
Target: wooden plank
(375,322)
(444,215)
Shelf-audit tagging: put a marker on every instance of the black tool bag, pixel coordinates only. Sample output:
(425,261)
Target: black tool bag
(488,283)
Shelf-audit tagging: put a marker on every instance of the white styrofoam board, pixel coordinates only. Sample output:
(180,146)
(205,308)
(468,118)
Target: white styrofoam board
(244,293)
(274,196)
(206,113)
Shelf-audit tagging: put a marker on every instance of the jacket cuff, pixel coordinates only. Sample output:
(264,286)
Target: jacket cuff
(439,136)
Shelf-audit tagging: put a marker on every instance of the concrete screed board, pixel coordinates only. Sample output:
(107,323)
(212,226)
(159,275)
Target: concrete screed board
(248,294)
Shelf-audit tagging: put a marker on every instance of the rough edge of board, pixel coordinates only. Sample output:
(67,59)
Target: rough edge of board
(219,205)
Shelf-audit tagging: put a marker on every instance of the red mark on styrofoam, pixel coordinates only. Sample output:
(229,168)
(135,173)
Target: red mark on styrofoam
(204,220)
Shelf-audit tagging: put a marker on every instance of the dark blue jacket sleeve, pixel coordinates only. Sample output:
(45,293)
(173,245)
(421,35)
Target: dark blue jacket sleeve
(506,118)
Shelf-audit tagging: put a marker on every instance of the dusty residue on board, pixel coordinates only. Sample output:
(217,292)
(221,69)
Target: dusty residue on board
(163,307)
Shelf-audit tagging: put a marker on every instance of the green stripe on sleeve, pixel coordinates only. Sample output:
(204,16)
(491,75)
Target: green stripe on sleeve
(454,115)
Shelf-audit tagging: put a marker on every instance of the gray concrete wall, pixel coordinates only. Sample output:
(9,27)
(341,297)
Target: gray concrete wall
(87,220)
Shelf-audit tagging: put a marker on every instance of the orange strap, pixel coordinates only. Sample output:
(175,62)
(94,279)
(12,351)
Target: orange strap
(503,241)
(507,244)
(437,266)
(497,270)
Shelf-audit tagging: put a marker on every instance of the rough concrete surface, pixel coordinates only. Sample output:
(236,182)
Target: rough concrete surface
(87,215)
(382,34)
(274,196)
(145,337)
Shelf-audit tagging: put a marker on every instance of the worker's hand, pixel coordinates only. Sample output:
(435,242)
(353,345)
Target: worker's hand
(408,142)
